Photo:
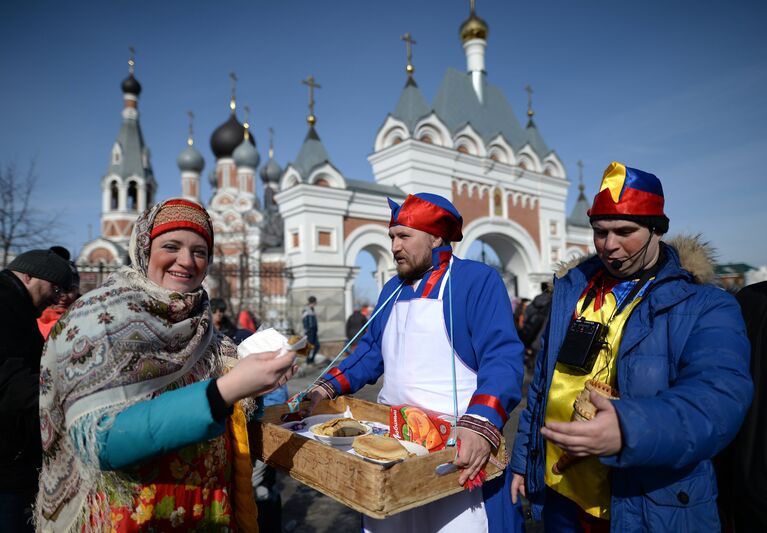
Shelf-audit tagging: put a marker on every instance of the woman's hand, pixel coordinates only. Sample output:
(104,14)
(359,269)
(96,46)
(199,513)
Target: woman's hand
(255,375)
(517,487)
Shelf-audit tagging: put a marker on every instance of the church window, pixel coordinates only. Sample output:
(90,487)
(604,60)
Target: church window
(132,196)
(554,255)
(522,165)
(114,195)
(497,202)
(324,238)
(322,182)
(553,227)
(397,140)
(462,148)
(494,157)
(295,241)
(427,139)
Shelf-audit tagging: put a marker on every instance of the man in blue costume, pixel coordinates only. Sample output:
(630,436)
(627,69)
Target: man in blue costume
(668,351)
(409,343)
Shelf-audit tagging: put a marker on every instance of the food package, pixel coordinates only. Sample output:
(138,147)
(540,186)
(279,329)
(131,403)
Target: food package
(270,340)
(427,428)
(583,411)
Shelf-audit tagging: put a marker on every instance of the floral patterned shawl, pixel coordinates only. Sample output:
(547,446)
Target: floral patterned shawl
(123,343)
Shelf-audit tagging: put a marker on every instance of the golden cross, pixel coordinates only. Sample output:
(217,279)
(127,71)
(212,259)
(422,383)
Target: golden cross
(271,143)
(312,85)
(131,59)
(190,141)
(233,101)
(409,42)
(471,7)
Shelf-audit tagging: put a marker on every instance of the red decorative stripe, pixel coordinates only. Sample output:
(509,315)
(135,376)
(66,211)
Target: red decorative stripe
(631,202)
(434,277)
(492,402)
(345,386)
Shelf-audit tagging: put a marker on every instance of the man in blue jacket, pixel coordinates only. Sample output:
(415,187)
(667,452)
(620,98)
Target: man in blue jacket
(669,353)
(440,315)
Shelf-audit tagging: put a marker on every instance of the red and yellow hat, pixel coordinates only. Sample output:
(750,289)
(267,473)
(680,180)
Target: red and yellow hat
(428,212)
(627,191)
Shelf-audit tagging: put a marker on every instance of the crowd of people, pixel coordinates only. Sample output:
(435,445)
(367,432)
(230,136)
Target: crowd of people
(133,414)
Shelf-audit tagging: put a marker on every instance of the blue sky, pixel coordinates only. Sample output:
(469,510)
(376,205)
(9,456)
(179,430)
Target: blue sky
(674,88)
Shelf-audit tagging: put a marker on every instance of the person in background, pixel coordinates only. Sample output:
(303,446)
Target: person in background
(534,322)
(142,422)
(742,467)
(248,320)
(309,320)
(354,323)
(32,281)
(52,313)
(221,320)
(640,322)
(443,310)
(519,305)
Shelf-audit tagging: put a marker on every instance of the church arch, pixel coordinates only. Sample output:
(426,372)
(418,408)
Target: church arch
(373,239)
(516,250)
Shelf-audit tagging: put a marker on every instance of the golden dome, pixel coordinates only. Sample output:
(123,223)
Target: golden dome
(473,28)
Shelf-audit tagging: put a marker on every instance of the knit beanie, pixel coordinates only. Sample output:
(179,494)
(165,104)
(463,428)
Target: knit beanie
(44,264)
(178,214)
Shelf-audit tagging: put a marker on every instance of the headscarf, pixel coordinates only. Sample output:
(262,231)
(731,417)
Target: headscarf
(430,213)
(123,343)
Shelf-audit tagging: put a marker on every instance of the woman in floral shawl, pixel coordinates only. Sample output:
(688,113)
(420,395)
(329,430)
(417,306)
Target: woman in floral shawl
(135,398)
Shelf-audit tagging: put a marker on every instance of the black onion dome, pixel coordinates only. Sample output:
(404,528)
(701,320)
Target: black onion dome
(227,137)
(130,85)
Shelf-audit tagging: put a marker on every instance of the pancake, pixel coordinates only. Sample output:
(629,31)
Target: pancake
(339,427)
(380,448)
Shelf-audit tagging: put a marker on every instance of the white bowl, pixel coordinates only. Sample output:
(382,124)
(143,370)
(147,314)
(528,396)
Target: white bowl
(313,421)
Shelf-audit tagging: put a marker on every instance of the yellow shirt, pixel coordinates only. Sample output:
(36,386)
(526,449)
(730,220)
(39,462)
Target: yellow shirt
(587,482)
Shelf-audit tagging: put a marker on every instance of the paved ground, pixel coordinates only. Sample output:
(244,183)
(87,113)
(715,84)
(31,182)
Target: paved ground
(308,511)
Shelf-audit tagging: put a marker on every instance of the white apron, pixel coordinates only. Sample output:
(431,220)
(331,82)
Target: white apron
(417,371)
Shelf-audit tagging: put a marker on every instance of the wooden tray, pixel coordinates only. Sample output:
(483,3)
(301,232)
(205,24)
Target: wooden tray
(375,490)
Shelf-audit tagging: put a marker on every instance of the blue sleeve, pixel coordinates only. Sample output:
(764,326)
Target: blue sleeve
(153,427)
(706,402)
(497,348)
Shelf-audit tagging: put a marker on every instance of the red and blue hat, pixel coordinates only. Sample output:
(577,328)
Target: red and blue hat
(628,192)
(430,213)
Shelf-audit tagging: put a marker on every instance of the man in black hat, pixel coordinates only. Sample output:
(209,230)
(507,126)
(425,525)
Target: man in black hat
(32,282)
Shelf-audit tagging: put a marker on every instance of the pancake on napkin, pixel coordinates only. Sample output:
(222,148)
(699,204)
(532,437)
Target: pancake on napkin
(380,448)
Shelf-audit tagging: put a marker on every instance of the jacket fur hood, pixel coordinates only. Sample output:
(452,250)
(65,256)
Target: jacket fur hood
(695,256)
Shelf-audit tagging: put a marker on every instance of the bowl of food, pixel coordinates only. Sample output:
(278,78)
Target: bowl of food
(337,431)
(384,450)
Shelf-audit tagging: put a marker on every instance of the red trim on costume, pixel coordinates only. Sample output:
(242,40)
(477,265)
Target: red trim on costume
(434,277)
(338,375)
(425,216)
(491,402)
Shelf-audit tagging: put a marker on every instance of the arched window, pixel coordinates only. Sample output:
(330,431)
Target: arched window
(462,148)
(132,196)
(322,182)
(114,195)
(427,139)
(497,202)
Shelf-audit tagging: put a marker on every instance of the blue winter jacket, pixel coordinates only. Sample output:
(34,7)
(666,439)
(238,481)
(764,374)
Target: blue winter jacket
(684,384)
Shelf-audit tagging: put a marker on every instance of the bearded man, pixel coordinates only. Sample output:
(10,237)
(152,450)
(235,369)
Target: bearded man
(438,296)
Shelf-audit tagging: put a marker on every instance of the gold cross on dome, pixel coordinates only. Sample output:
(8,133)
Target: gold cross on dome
(409,42)
(190,141)
(309,81)
(233,101)
(131,59)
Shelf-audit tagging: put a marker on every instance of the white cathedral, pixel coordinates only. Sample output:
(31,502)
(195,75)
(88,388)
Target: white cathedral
(307,234)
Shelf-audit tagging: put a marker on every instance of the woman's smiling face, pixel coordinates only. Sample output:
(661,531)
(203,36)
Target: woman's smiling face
(178,260)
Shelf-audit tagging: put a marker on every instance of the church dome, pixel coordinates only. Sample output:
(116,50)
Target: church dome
(473,28)
(130,85)
(246,155)
(227,137)
(190,160)
(271,172)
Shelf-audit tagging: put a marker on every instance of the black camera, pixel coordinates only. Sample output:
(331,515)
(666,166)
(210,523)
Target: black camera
(582,343)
